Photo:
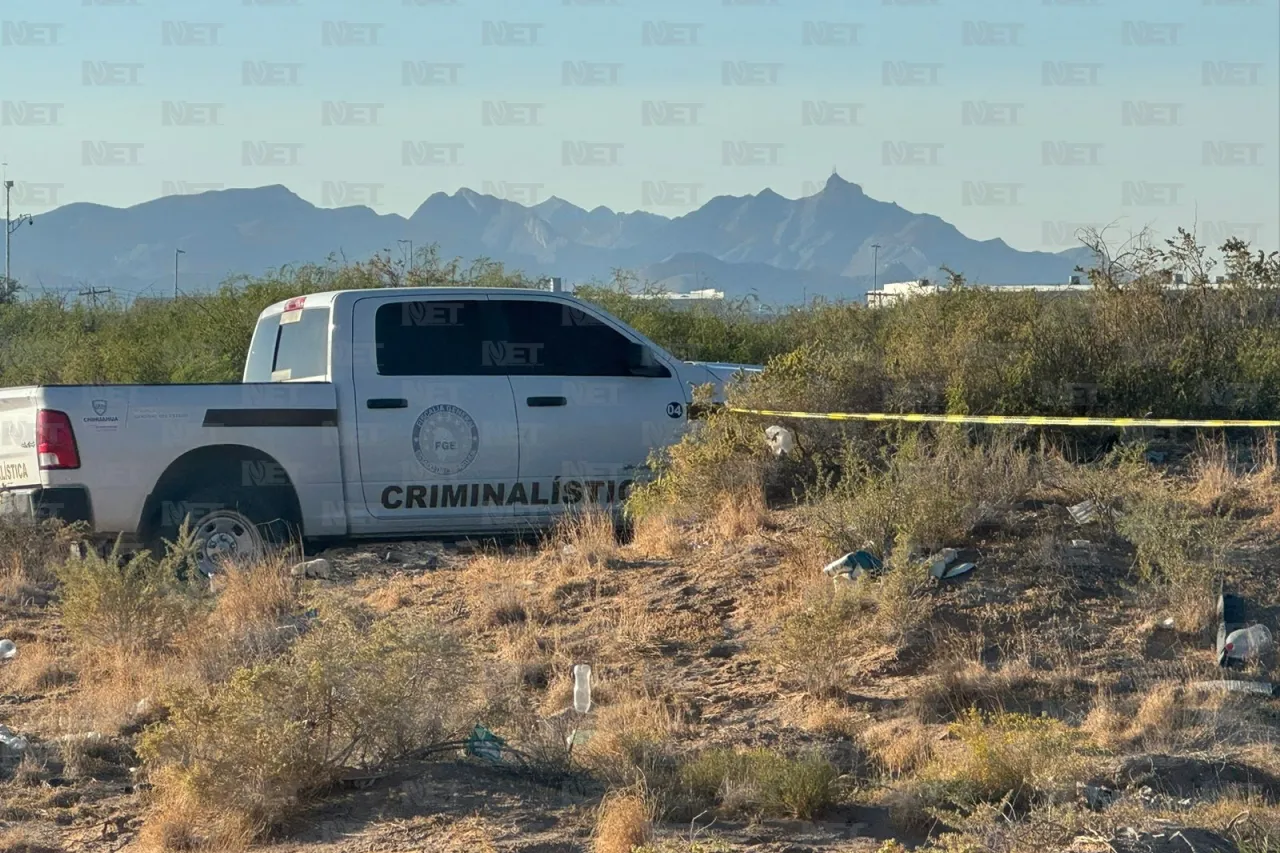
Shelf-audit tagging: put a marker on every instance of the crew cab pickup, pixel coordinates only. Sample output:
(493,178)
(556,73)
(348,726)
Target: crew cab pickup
(375,413)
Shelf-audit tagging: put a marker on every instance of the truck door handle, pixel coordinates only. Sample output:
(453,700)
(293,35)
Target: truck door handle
(547,401)
(387,403)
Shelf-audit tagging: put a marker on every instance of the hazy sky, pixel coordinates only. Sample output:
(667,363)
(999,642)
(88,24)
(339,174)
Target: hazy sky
(1019,119)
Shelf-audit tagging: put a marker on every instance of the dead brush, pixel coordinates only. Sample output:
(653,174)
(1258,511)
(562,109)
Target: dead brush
(631,733)
(623,823)
(23,840)
(957,685)
(660,535)
(899,746)
(585,541)
(38,668)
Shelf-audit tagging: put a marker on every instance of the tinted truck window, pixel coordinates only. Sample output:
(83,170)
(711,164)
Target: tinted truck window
(431,338)
(303,345)
(550,339)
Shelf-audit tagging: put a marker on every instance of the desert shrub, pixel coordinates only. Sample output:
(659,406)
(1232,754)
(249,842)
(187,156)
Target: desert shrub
(624,823)
(345,695)
(724,455)
(918,493)
(760,782)
(1179,548)
(134,604)
(1004,757)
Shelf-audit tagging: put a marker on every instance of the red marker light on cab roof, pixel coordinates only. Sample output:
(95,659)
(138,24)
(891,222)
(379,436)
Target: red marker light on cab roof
(294,304)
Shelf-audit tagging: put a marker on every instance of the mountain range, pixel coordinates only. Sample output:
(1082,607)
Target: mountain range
(783,250)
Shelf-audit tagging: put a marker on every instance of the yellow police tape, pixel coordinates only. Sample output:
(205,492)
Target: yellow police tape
(1002,419)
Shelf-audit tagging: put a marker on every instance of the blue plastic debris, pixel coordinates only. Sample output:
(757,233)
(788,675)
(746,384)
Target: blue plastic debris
(854,564)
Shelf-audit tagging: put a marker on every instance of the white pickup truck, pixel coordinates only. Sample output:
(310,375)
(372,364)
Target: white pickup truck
(362,414)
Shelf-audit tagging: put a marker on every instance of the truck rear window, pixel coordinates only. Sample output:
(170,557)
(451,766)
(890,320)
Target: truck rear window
(303,346)
(300,347)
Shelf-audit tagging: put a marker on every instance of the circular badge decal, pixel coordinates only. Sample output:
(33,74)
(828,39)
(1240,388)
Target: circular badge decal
(445,439)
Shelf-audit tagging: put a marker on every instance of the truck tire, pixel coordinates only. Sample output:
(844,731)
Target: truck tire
(236,524)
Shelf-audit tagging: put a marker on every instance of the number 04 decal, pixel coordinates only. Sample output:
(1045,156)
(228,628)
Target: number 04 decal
(675,410)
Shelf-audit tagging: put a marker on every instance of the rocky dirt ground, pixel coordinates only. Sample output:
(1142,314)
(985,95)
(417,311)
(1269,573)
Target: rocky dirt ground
(1039,627)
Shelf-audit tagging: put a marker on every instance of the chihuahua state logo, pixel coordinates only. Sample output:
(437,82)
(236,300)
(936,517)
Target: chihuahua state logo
(445,440)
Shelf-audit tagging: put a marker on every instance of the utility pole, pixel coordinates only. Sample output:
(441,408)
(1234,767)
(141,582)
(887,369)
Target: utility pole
(409,265)
(10,224)
(176,252)
(93,293)
(875,266)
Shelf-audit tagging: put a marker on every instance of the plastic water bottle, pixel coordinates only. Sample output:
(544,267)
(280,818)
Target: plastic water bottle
(1248,643)
(7,649)
(582,688)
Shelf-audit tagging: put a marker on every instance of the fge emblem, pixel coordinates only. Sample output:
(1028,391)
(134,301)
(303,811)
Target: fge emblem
(445,440)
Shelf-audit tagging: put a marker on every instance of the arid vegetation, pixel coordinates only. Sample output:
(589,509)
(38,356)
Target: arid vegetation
(1057,697)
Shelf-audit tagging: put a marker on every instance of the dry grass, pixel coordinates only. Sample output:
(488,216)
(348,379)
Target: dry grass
(20,840)
(179,821)
(739,515)
(625,822)
(38,668)
(659,535)
(900,746)
(956,685)
(584,541)
(629,734)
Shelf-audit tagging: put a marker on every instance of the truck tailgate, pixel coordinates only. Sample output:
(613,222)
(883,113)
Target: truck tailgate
(19,463)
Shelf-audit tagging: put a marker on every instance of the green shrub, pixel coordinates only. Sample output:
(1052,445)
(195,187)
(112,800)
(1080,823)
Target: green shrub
(760,782)
(346,695)
(132,605)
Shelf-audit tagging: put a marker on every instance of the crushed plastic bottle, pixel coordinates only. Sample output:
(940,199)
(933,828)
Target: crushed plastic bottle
(1247,643)
(10,742)
(582,688)
(8,648)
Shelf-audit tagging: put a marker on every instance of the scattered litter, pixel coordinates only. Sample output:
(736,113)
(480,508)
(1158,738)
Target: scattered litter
(956,571)
(1168,623)
(8,648)
(1247,643)
(1084,512)
(1262,688)
(1096,797)
(10,743)
(781,440)
(1231,614)
(938,562)
(582,688)
(318,568)
(568,550)
(485,744)
(1081,543)
(854,565)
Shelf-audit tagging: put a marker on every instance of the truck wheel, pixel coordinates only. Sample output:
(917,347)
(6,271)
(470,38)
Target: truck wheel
(239,528)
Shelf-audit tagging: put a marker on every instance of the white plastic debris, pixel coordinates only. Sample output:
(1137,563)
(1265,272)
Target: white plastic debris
(956,571)
(781,440)
(11,743)
(853,565)
(1081,543)
(1260,687)
(318,568)
(8,648)
(1083,512)
(582,688)
(939,562)
(1168,623)
(1247,643)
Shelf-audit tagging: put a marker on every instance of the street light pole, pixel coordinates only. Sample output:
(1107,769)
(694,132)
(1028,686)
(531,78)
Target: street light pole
(176,252)
(875,266)
(8,185)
